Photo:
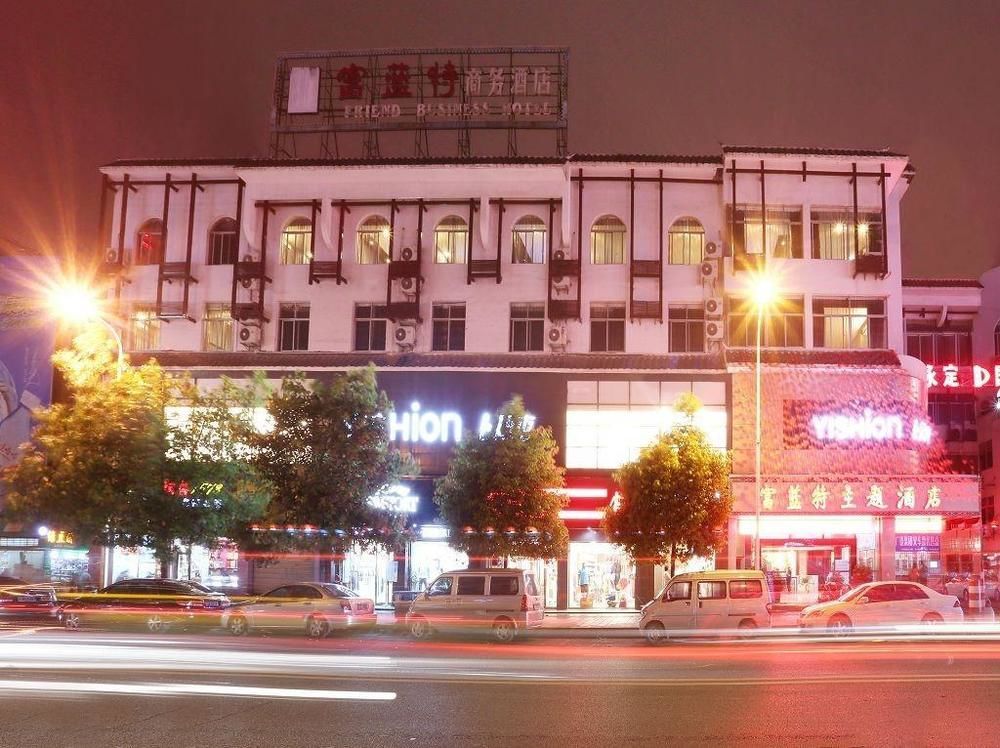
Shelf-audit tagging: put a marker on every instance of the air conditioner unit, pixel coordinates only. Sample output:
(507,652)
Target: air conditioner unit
(713,251)
(111,256)
(407,254)
(247,282)
(713,306)
(714,330)
(708,270)
(557,337)
(409,287)
(249,336)
(405,337)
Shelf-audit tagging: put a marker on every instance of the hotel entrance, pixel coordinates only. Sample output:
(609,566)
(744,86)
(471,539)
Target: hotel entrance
(801,570)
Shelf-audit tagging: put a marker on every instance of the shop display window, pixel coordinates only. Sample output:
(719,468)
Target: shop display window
(601,575)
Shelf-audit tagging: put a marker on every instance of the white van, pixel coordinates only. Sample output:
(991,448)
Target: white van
(503,600)
(708,600)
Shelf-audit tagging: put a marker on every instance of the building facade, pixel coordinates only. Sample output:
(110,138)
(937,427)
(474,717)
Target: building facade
(600,288)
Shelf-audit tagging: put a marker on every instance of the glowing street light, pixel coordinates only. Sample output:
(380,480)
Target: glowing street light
(763,294)
(75,303)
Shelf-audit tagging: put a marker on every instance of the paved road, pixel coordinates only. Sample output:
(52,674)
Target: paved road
(120,689)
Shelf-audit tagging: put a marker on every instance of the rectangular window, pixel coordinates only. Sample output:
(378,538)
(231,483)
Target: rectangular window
(711,590)
(448,327)
(678,591)
(370,324)
(783,232)
(834,236)
(986,455)
(293,327)
(951,344)
(144,329)
(686,328)
(955,413)
(783,323)
(217,328)
(503,585)
(472,585)
(223,243)
(607,241)
(296,243)
(849,323)
(686,241)
(607,328)
(527,327)
(451,241)
(746,589)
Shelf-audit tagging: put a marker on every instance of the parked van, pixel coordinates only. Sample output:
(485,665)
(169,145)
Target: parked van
(503,601)
(723,599)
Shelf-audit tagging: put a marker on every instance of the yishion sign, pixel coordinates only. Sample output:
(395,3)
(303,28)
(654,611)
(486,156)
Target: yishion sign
(420,426)
(811,424)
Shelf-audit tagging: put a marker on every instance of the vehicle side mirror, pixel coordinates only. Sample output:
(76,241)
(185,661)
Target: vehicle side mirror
(862,600)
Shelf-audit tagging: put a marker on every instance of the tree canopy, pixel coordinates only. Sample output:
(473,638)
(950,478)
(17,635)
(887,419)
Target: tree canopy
(325,455)
(496,496)
(675,497)
(140,459)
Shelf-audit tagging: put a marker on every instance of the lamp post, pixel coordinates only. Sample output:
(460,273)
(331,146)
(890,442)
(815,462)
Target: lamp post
(75,302)
(763,296)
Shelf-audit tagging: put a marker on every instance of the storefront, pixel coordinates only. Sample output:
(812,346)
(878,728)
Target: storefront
(50,556)
(848,491)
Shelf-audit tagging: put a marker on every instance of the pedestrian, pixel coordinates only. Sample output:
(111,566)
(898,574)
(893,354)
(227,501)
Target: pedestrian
(923,573)
(914,575)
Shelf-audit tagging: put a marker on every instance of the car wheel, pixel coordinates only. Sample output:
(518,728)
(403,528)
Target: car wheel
(419,628)
(71,621)
(317,627)
(655,633)
(155,623)
(746,626)
(932,619)
(504,630)
(238,625)
(840,625)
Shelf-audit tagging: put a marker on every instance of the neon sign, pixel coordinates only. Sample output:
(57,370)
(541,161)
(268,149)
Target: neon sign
(397,498)
(870,426)
(952,376)
(442,427)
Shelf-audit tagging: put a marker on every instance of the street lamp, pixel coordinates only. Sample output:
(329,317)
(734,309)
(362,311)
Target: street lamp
(75,302)
(763,294)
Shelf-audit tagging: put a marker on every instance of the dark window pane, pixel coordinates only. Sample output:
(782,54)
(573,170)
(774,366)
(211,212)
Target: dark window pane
(616,336)
(471,585)
(378,328)
(503,586)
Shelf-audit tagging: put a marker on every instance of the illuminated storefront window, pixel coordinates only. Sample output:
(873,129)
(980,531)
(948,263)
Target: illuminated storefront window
(601,575)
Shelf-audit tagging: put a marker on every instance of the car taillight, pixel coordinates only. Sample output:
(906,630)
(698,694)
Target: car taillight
(524,603)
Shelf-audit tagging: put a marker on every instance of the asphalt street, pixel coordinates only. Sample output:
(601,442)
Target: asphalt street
(122,689)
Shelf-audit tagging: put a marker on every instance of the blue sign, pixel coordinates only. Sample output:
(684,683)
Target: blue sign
(26,345)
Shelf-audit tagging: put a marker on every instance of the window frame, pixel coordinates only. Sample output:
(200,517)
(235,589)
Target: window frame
(454,327)
(787,321)
(718,584)
(297,251)
(149,255)
(149,335)
(224,320)
(611,236)
(786,217)
(691,228)
(692,325)
(533,235)
(478,591)
(822,319)
(529,315)
(870,233)
(667,598)
(450,228)
(375,227)
(606,321)
(370,322)
(292,325)
(219,238)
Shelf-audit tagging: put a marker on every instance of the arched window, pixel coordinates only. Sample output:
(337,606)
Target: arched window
(451,240)
(296,242)
(149,243)
(687,242)
(996,340)
(530,237)
(373,241)
(607,241)
(223,243)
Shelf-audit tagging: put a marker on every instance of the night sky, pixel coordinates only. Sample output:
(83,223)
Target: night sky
(83,83)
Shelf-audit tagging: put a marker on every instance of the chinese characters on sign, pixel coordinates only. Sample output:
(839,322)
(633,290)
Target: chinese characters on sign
(825,498)
(952,376)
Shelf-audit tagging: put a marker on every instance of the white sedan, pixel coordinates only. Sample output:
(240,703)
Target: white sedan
(883,604)
(316,608)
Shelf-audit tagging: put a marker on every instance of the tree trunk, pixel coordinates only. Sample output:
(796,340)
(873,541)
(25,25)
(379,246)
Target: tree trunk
(673,561)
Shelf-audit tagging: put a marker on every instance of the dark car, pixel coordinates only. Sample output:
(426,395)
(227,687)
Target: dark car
(21,601)
(153,604)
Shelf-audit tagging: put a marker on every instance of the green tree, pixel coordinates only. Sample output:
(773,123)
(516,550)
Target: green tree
(119,464)
(325,454)
(674,499)
(496,496)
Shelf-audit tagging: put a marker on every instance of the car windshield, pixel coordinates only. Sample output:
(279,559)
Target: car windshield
(199,587)
(338,590)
